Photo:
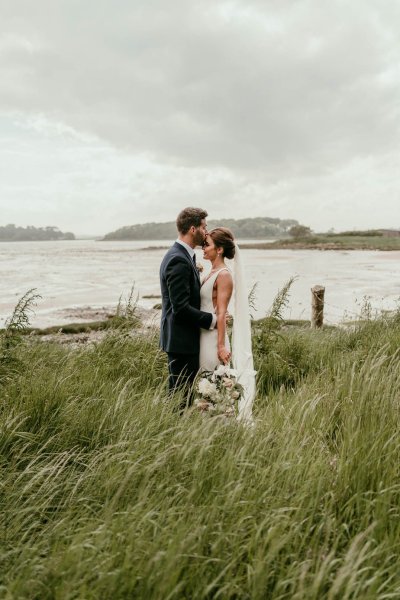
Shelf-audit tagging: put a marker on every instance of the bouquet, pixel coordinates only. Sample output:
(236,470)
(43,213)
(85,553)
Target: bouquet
(218,392)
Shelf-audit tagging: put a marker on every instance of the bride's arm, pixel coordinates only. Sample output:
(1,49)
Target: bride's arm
(224,285)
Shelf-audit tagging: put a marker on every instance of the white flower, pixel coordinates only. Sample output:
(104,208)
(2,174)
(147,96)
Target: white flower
(206,388)
(222,370)
(232,373)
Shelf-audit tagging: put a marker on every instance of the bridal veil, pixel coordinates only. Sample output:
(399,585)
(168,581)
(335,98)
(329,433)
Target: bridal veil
(242,354)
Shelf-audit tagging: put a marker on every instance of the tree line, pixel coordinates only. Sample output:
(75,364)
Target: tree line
(12,233)
(259,228)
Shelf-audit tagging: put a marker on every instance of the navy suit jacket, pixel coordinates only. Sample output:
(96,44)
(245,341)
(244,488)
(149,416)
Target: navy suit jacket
(181,317)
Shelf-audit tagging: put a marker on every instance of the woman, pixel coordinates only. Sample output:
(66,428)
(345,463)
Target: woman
(216,292)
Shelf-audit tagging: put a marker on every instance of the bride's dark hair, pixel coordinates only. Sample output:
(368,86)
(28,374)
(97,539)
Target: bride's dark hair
(223,238)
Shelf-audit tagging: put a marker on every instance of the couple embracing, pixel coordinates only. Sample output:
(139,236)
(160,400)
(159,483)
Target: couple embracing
(194,311)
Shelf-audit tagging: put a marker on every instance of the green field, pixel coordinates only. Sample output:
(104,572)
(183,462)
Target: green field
(107,493)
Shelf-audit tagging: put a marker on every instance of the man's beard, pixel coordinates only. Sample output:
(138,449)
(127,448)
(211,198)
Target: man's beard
(199,238)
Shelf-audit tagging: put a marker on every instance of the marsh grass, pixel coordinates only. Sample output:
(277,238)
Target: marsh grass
(107,492)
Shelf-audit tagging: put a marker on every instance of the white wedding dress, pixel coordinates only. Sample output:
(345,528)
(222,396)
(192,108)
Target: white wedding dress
(209,338)
(242,355)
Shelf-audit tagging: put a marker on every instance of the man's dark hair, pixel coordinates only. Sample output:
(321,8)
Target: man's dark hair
(190,217)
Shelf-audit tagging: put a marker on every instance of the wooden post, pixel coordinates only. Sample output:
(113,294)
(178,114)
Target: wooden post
(317,306)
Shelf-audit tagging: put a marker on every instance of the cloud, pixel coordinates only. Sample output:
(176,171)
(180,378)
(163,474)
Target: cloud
(227,101)
(241,85)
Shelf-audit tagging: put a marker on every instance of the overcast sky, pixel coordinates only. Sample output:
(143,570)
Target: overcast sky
(115,113)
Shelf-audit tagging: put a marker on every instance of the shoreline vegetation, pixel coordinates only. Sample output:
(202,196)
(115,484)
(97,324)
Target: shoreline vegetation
(332,241)
(289,235)
(109,492)
(11,233)
(343,242)
(324,241)
(258,227)
(286,234)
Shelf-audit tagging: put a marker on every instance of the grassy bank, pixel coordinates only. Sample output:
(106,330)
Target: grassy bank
(106,492)
(331,242)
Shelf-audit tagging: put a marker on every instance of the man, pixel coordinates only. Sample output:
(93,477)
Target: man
(181,317)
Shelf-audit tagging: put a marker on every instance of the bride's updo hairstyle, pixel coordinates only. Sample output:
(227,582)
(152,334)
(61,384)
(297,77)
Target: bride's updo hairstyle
(223,238)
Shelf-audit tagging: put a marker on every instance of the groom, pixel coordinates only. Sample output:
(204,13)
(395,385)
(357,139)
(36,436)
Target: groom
(181,317)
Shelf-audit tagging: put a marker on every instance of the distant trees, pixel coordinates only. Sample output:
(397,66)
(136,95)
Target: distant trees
(11,233)
(259,228)
(299,231)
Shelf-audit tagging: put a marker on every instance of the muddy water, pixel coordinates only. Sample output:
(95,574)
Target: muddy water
(72,276)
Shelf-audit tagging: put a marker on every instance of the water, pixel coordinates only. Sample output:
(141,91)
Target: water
(90,273)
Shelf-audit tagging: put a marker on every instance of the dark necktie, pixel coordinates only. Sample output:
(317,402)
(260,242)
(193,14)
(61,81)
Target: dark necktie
(194,259)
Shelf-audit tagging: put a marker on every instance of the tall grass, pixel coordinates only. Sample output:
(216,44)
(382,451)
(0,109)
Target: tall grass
(107,492)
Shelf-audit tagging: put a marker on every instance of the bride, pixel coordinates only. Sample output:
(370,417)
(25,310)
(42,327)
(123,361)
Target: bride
(217,289)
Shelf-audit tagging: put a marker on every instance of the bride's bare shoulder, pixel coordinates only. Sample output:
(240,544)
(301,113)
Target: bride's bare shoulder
(224,278)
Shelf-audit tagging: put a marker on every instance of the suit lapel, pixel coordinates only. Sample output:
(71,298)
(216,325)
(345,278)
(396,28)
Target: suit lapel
(189,258)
